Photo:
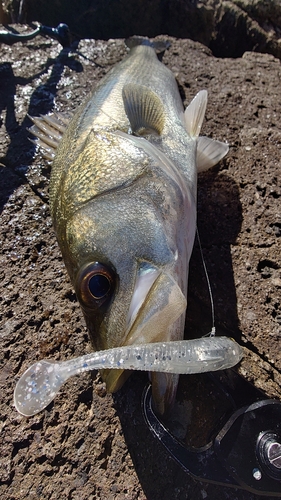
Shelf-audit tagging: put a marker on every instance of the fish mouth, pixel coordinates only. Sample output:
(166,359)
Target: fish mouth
(156,313)
(157,302)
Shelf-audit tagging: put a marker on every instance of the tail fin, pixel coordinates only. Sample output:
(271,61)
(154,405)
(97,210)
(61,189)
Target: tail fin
(158,45)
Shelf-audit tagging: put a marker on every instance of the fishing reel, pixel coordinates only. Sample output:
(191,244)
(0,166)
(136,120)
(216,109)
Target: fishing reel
(245,453)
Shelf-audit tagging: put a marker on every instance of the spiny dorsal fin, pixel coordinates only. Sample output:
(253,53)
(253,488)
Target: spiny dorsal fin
(209,152)
(144,109)
(195,112)
(48,131)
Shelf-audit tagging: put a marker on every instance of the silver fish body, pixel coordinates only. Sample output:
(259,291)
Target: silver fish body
(123,203)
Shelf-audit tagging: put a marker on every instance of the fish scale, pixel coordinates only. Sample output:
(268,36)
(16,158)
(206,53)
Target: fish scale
(105,105)
(123,203)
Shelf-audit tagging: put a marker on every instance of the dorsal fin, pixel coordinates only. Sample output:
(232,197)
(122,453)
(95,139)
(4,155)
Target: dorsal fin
(144,109)
(195,112)
(209,152)
(48,131)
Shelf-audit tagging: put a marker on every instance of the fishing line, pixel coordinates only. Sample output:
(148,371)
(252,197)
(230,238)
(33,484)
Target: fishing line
(213,330)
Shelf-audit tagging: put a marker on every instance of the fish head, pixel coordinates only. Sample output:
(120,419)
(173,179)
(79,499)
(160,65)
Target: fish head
(135,304)
(122,258)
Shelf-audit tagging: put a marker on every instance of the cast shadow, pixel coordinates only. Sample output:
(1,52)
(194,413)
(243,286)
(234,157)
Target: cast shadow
(219,222)
(219,219)
(19,155)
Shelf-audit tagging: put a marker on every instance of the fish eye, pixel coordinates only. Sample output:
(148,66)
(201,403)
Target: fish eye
(95,284)
(99,286)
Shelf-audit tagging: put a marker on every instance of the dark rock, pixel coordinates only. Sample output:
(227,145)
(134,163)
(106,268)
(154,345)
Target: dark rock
(229,28)
(88,445)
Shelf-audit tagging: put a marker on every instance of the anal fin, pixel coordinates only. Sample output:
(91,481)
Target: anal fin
(209,153)
(195,112)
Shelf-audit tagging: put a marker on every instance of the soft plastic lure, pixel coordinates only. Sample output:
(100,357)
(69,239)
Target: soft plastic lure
(39,385)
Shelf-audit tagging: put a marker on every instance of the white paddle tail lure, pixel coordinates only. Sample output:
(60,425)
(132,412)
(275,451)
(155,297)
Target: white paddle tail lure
(41,382)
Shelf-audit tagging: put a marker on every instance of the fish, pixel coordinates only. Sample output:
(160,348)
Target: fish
(123,194)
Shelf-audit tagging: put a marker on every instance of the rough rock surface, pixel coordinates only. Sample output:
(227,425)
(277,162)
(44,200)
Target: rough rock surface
(88,444)
(228,27)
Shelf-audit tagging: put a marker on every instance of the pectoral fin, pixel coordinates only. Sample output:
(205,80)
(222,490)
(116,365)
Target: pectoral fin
(144,109)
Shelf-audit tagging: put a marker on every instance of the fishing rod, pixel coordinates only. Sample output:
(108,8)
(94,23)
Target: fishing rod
(61,34)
